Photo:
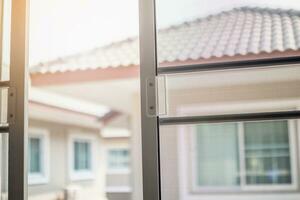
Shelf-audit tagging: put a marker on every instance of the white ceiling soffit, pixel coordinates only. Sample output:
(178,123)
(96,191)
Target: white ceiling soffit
(115,132)
(68,103)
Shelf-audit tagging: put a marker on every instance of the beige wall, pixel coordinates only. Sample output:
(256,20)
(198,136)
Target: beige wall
(119,196)
(206,99)
(118,185)
(59,165)
(136,148)
(118,180)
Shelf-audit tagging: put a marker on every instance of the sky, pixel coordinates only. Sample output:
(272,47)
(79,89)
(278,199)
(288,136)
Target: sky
(64,27)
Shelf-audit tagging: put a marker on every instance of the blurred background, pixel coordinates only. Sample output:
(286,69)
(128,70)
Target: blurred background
(84,100)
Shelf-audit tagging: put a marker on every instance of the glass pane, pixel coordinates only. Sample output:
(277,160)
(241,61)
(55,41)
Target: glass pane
(35,155)
(3,105)
(82,156)
(234,91)
(5,39)
(4,166)
(92,47)
(267,153)
(5,15)
(209,31)
(212,161)
(217,160)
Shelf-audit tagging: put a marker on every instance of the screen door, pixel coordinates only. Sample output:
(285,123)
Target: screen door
(220,84)
(13,93)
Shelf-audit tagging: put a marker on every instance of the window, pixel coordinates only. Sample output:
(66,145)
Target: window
(118,160)
(246,156)
(35,153)
(81,157)
(38,150)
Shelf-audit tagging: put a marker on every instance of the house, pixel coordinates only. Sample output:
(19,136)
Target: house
(73,146)
(236,161)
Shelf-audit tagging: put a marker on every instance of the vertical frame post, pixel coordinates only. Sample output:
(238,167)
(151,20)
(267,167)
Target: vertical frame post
(3,145)
(17,175)
(150,127)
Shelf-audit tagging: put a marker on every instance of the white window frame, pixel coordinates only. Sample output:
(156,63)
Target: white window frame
(81,175)
(43,177)
(243,187)
(117,171)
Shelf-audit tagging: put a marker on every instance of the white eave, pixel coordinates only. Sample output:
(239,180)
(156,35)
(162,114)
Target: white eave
(111,132)
(67,103)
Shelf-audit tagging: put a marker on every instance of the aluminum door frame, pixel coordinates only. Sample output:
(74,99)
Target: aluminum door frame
(151,121)
(148,72)
(17,99)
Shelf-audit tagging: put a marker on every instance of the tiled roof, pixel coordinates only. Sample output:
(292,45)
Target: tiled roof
(240,31)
